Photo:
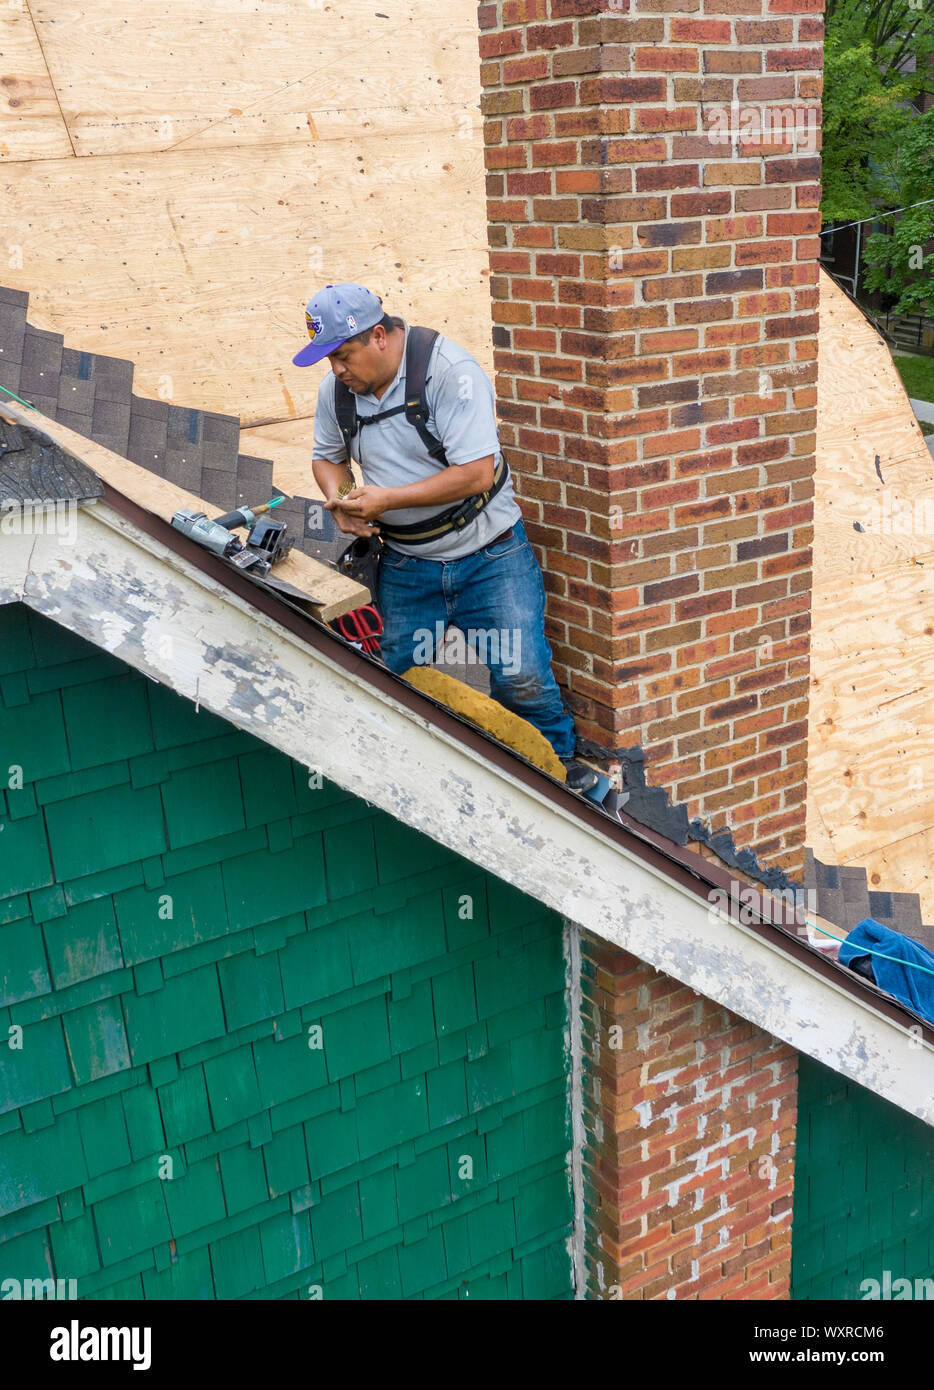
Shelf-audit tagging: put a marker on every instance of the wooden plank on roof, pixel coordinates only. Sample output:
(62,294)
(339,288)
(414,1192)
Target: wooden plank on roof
(335,593)
(31,123)
(871,725)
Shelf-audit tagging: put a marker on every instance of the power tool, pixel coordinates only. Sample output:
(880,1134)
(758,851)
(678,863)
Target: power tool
(266,541)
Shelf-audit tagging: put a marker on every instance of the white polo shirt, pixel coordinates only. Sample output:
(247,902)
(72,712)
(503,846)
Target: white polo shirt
(391,453)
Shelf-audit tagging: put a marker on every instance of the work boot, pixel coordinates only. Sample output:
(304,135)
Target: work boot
(579,778)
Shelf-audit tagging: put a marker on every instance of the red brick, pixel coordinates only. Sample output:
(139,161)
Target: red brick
(794,59)
(665,118)
(666,59)
(636,386)
(700,31)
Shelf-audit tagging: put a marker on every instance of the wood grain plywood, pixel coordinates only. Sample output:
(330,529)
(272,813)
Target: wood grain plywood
(31,124)
(136,76)
(871,736)
(196,265)
(236,155)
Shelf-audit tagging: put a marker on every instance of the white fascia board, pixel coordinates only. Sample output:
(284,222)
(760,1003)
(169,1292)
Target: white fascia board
(128,594)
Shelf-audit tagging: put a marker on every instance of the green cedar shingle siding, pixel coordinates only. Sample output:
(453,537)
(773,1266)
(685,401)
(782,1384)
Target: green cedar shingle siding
(177,910)
(864,1198)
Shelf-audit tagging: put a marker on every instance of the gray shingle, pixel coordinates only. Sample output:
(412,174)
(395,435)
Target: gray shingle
(143,408)
(183,467)
(146,444)
(46,405)
(110,423)
(900,911)
(319,525)
(293,514)
(9,374)
(33,470)
(42,363)
(925,934)
(855,895)
(257,473)
(12,332)
(218,455)
(75,363)
(76,395)
(73,420)
(113,379)
(219,488)
(221,429)
(830,900)
(199,450)
(472,673)
(184,425)
(326,551)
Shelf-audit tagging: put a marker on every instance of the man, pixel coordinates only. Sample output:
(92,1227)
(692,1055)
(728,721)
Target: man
(440,494)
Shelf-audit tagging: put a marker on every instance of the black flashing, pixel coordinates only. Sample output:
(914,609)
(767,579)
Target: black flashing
(653,808)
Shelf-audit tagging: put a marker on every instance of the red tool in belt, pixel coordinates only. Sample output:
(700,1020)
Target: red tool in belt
(363,627)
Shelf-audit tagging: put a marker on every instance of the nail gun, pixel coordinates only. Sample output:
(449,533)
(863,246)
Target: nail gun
(266,541)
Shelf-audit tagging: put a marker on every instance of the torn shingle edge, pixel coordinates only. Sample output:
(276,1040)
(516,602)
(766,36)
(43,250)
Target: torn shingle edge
(653,808)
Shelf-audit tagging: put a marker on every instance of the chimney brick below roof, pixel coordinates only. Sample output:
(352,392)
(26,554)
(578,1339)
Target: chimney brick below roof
(691,1116)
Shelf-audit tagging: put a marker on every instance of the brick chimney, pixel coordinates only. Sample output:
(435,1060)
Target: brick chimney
(691,1117)
(652,185)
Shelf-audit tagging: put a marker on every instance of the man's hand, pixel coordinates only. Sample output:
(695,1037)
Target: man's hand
(363,503)
(330,477)
(350,525)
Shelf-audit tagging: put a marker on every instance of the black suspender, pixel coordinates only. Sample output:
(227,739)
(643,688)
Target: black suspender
(418,351)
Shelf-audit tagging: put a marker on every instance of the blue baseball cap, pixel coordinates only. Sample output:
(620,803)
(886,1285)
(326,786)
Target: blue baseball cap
(339,312)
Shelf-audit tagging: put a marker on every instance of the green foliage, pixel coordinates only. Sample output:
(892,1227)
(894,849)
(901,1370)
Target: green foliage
(861,120)
(867,100)
(896,30)
(895,257)
(917,374)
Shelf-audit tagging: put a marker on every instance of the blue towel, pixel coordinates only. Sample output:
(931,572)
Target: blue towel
(911,987)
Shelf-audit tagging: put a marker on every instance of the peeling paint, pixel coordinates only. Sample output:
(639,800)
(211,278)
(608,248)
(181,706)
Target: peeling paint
(242,666)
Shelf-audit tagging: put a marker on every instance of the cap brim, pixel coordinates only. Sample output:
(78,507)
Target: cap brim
(314,352)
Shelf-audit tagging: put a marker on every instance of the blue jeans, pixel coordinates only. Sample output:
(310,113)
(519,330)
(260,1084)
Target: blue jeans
(496,598)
